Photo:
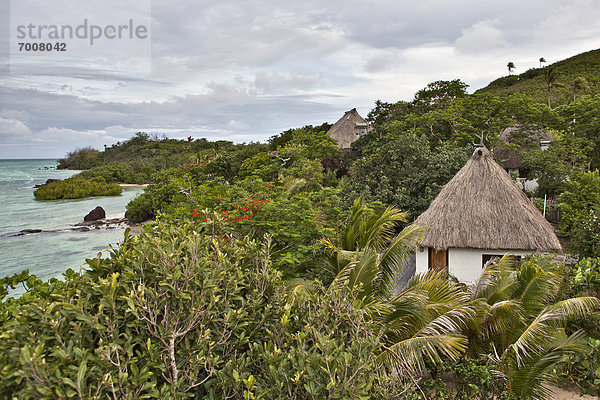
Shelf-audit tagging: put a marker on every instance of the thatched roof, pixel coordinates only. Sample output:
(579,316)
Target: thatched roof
(345,129)
(482,208)
(511,158)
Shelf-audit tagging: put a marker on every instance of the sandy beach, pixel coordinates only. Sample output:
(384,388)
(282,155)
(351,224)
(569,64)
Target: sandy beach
(562,394)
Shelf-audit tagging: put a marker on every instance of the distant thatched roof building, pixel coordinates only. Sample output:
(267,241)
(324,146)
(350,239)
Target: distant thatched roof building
(482,208)
(510,158)
(348,129)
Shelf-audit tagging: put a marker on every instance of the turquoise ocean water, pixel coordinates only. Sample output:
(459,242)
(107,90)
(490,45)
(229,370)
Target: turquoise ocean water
(49,254)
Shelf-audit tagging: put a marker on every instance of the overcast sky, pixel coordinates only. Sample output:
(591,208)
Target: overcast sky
(245,70)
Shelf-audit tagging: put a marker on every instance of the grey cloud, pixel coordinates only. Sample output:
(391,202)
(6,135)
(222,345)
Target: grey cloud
(226,110)
(248,69)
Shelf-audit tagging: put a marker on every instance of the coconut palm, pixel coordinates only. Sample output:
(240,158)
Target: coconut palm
(542,60)
(508,315)
(511,67)
(551,76)
(580,83)
(523,329)
(425,322)
(370,247)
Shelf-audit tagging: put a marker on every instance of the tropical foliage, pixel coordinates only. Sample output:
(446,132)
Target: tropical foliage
(201,304)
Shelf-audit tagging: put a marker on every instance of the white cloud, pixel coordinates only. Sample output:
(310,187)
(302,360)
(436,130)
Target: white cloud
(482,36)
(13,128)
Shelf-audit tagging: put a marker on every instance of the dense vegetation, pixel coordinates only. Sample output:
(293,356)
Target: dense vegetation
(76,187)
(181,311)
(205,302)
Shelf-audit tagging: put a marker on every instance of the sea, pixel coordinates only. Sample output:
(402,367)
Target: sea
(57,248)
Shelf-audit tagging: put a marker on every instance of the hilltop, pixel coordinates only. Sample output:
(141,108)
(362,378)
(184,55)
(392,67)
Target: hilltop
(533,82)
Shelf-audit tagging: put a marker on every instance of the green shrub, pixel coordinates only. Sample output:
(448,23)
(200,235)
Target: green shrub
(579,200)
(140,209)
(583,369)
(77,187)
(175,313)
(587,274)
(81,158)
(586,236)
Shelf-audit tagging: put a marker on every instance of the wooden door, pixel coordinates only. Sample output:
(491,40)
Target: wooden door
(438,260)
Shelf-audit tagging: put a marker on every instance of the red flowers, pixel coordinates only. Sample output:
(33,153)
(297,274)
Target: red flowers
(239,212)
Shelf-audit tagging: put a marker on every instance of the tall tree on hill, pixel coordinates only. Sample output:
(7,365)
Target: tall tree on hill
(580,83)
(542,60)
(439,94)
(551,78)
(510,66)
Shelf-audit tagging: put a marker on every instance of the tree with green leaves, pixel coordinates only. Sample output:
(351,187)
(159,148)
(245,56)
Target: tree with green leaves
(542,60)
(580,209)
(403,169)
(439,94)
(177,313)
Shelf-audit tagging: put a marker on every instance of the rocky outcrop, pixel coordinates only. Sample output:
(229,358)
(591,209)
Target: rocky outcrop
(96,214)
(113,223)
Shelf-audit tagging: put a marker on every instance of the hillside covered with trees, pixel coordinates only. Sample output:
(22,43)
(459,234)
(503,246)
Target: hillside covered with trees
(558,83)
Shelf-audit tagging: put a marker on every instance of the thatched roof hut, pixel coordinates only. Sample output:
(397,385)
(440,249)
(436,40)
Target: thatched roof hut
(348,129)
(530,138)
(482,208)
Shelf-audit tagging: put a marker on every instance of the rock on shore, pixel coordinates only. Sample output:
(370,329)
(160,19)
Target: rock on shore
(96,214)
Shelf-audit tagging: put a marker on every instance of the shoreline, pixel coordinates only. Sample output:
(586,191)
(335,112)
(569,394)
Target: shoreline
(86,226)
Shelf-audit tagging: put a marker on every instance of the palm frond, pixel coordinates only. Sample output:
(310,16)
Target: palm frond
(492,274)
(531,378)
(546,327)
(412,353)
(407,317)
(501,316)
(454,320)
(380,227)
(536,287)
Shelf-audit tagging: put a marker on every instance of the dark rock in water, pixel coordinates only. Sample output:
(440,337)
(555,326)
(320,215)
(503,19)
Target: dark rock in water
(95,214)
(28,231)
(20,233)
(48,181)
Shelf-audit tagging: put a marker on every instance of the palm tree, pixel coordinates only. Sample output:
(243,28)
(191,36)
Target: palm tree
(551,76)
(421,323)
(369,238)
(580,83)
(510,66)
(523,330)
(507,315)
(542,60)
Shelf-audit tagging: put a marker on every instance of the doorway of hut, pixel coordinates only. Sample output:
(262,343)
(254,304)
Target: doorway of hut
(438,260)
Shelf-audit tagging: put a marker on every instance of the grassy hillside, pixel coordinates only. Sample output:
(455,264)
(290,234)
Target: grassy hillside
(533,84)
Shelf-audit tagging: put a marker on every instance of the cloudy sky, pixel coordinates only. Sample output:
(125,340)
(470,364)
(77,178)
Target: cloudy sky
(245,70)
